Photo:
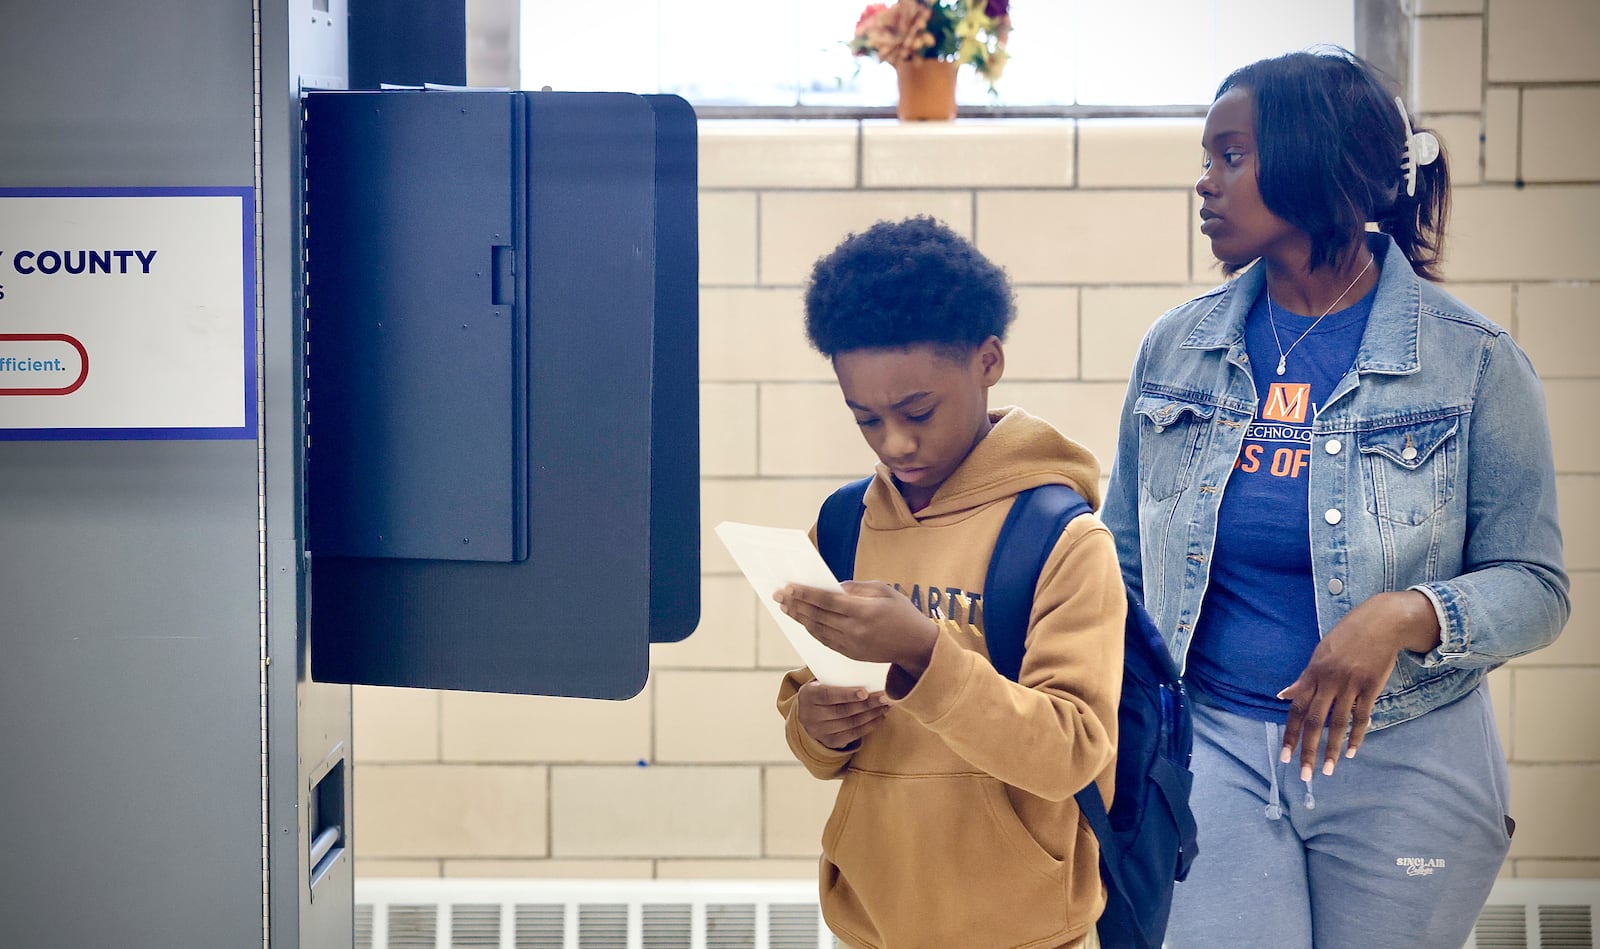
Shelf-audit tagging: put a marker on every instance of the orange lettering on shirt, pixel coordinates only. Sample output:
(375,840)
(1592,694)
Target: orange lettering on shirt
(1287,402)
(1288,462)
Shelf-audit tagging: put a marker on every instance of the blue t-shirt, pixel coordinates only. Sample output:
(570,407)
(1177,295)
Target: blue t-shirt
(1258,623)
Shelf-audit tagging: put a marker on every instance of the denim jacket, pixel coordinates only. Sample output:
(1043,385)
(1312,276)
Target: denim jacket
(1431,469)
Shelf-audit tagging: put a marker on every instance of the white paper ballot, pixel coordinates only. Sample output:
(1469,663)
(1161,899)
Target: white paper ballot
(774,557)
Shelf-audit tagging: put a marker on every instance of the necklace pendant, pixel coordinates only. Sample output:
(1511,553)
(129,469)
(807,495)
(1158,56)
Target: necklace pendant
(1281,366)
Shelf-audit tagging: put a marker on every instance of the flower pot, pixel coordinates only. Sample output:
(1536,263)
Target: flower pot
(927,90)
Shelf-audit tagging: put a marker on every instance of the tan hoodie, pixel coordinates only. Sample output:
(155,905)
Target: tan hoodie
(955,824)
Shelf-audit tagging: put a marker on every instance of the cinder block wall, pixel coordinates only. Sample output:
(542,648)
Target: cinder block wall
(1095,221)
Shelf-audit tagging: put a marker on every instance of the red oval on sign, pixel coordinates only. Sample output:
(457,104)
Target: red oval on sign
(83,361)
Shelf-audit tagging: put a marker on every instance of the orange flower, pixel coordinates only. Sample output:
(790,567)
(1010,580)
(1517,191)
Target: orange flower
(960,31)
(871,12)
(900,32)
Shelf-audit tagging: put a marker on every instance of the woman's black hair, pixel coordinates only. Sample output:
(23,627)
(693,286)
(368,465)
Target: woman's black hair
(1330,144)
(899,283)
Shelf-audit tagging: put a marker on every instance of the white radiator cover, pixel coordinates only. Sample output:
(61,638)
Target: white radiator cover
(1538,914)
(439,913)
(588,914)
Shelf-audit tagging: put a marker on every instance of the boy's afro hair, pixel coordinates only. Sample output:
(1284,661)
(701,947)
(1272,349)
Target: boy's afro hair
(900,283)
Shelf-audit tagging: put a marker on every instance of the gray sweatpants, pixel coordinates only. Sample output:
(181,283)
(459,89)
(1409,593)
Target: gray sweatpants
(1397,848)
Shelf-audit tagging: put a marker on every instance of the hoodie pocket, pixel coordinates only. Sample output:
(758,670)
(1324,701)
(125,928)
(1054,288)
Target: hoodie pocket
(939,860)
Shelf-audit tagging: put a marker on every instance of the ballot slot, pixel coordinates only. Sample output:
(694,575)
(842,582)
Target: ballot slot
(325,820)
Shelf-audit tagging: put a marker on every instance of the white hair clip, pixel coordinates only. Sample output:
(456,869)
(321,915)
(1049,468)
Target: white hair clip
(1421,149)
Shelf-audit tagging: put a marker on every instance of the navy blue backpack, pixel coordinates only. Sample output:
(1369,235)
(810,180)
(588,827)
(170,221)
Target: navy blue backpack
(1147,841)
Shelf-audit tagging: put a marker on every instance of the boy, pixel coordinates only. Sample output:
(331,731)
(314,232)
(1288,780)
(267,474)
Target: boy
(955,823)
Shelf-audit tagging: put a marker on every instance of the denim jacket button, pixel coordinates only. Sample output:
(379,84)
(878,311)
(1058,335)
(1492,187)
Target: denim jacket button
(1160,429)
(1336,586)
(1409,453)
(1332,446)
(1333,516)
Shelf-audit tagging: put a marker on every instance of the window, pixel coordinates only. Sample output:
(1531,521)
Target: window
(792,52)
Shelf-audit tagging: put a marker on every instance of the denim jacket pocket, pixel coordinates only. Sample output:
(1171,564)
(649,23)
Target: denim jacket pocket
(1171,430)
(1410,467)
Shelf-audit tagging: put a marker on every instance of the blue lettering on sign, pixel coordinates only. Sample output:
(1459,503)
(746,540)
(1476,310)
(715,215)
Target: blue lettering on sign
(29,364)
(82,261)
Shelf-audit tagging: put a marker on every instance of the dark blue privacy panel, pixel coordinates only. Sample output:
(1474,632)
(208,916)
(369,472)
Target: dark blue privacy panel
(578,396)
(675,423)
(408,42)
(415,353)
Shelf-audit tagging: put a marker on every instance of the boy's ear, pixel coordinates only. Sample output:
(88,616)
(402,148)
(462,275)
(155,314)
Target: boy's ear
(991,359)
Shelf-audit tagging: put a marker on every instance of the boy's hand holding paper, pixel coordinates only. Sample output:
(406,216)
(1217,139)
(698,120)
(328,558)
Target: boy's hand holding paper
(773,558)
(839,716)
(867,620)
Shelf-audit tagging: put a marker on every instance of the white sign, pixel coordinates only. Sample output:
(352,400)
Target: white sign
(127,313)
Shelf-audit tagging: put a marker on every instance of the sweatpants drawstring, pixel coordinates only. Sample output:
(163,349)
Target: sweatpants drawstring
(1274,810)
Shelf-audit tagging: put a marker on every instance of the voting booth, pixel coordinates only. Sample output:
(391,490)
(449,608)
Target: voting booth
(501,379)
(306,380)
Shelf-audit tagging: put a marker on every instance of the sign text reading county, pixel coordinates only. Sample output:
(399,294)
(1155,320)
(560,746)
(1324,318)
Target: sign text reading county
(81,261)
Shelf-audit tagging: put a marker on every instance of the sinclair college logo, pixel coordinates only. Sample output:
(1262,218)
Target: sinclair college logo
(1287,402)
(1420,866)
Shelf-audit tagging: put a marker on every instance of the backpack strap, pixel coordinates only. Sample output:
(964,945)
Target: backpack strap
(1034,523)
(1032,526)
(1093,808)
(839,527)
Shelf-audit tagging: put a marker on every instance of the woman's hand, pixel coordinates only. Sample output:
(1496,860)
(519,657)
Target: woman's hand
(869,622)
(839,715)
(1347,671)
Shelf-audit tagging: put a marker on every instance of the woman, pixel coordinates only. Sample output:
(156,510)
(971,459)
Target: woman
(1334,489)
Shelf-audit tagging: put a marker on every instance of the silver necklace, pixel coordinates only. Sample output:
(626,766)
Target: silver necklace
(1283,354)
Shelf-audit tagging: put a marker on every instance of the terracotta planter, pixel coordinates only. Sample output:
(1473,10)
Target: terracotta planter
(927,90)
